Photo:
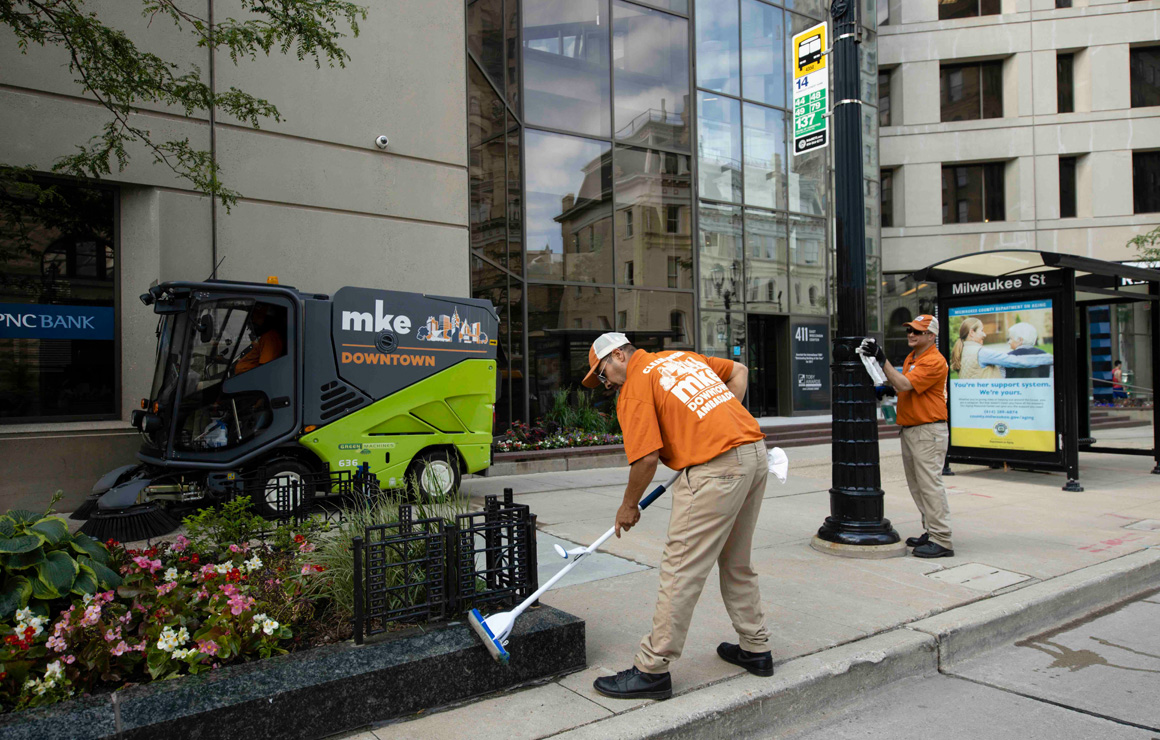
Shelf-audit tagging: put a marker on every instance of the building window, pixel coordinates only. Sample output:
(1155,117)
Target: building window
(1067,187)
(887,188)
(677,326)
(674,272)
(1145,74)
(58,342)
(1064,83)
(972,91)
(973,193)
(1146,181)
(884,97)
(1063,3)
(628,273)
(951,9)
(628,222)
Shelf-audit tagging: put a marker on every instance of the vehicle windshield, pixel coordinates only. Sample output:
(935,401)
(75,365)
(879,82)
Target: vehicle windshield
(227,337)
(165,373)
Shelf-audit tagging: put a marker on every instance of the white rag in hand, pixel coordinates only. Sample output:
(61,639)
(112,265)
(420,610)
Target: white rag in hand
(778,463)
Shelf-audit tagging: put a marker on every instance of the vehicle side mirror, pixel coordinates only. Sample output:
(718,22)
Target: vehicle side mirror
(205,328)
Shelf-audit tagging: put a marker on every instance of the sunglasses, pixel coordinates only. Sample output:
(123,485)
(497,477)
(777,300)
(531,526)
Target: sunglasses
(912,330)
(600,373)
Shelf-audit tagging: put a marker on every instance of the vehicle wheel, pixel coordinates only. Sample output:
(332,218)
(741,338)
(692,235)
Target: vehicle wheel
(433,476)
(276,499)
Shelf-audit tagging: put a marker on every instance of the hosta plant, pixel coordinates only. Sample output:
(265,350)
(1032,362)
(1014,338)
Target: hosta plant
(43,562)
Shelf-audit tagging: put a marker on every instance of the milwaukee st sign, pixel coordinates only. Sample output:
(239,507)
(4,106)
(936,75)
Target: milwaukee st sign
(1000,284)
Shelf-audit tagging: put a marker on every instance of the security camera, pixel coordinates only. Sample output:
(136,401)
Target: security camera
(381,142)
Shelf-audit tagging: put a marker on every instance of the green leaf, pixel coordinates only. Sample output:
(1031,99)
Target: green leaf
(85,545)
(106,576)
(24,560)
(86,582)
(42,591)
(7,527)
(23,516)
(54,529)
(21,543)
(17,591)
(58,571)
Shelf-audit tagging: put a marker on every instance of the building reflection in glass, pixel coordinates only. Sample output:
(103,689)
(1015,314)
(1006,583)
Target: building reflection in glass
(650,60)
(653,218)
(567,84)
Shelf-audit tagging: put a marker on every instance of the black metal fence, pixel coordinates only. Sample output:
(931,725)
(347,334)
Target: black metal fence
(319,495)
(427,570)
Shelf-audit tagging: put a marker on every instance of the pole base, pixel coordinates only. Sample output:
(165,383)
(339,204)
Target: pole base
(1072,486)
(863,552)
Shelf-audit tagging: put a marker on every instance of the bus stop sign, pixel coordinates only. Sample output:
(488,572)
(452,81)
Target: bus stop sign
(810,88)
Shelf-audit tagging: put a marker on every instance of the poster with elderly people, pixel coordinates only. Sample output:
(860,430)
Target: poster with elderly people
(1002,382)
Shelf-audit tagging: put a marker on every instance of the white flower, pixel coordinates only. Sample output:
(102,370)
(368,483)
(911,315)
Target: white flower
(87,598)
(24,615)
(170,640)
(269,626)
(54,671)
(183,654)
(223,568)
(252,564)
(171,574)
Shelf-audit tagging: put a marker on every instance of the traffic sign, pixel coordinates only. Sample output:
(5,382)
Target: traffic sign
(811,126)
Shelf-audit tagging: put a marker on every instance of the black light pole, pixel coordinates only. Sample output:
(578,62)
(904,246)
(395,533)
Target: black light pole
(856,525)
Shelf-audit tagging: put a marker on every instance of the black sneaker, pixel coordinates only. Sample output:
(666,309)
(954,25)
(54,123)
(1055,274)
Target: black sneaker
(759,664)
(635,684)
(918,541)
(932,550)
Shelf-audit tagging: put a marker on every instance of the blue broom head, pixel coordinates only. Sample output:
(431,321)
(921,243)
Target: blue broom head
(490,641)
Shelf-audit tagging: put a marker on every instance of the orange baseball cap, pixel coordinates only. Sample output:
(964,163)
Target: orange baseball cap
(600,349)
(924,322)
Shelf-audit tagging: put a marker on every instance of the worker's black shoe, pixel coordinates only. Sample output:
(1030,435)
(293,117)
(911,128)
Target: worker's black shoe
(635,684)
(933,550)
(759,664)
(918,541)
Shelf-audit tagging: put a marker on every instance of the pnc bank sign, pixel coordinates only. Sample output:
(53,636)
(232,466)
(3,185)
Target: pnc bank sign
(33,321)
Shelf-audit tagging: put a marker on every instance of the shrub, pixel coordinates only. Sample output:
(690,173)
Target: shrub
(44,564)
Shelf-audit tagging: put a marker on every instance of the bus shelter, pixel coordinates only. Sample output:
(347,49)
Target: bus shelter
(1015,331)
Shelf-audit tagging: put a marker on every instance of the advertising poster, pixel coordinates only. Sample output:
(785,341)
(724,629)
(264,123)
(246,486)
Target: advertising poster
(811,367)
(1002,376)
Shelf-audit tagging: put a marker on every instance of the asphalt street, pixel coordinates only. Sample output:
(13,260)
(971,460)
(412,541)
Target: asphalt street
(1098,677)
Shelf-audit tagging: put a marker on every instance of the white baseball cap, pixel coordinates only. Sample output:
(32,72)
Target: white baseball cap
(600,349)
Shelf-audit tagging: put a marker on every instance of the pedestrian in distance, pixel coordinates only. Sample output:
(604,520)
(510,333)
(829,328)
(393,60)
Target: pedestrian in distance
(683,409)
(922,414)
(1118,392)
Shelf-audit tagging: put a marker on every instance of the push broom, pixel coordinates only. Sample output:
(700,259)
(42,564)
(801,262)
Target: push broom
(495,630)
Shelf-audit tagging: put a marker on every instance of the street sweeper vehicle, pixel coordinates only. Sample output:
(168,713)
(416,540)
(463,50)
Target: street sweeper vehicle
(260,385)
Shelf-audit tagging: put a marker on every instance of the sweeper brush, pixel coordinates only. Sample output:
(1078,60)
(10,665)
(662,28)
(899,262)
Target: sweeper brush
(495,630)
(141,522)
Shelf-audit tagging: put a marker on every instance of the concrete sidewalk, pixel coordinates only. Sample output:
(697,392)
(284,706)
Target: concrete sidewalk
(1024,548)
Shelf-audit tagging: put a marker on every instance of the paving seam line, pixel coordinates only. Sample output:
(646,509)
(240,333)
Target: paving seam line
(812,685)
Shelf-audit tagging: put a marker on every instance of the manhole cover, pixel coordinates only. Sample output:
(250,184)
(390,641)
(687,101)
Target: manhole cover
(1147,525)
(978,577)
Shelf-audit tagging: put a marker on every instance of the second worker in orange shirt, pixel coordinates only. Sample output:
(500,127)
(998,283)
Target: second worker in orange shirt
(683,409)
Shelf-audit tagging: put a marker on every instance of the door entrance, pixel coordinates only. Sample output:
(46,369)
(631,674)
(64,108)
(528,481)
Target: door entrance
(763,364)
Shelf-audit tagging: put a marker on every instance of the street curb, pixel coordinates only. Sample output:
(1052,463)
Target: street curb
(800,690)
(973,628)
(807,687)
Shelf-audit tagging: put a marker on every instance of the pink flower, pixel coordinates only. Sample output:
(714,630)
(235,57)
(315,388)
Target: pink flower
(145,563)
(306,547)
(141,608)
(209,647)
(106,596)
(202,594)
(166,587)
(126,619)
(239,604)
(179,544)
(113,635)
(92,615)
(230,590)
(121,648)
(235,548)
(57,644)
(68,659)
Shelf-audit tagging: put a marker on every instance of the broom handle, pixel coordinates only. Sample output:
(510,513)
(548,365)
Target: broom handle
(656,493)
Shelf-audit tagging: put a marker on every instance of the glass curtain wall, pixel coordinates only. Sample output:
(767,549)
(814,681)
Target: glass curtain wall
(591,105)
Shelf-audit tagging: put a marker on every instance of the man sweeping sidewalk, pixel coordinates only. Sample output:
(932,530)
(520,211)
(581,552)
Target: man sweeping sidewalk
(683,409)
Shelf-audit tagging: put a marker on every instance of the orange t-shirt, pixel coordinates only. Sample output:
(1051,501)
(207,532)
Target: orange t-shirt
(928,401)
(268,347)
(677,402)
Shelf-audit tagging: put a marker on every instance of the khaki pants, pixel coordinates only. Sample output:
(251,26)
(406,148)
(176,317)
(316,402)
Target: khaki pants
(924,451)
(715,508)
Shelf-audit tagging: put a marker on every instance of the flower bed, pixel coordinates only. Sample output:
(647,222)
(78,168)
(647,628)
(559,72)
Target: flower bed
(549,441)
(123,616)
